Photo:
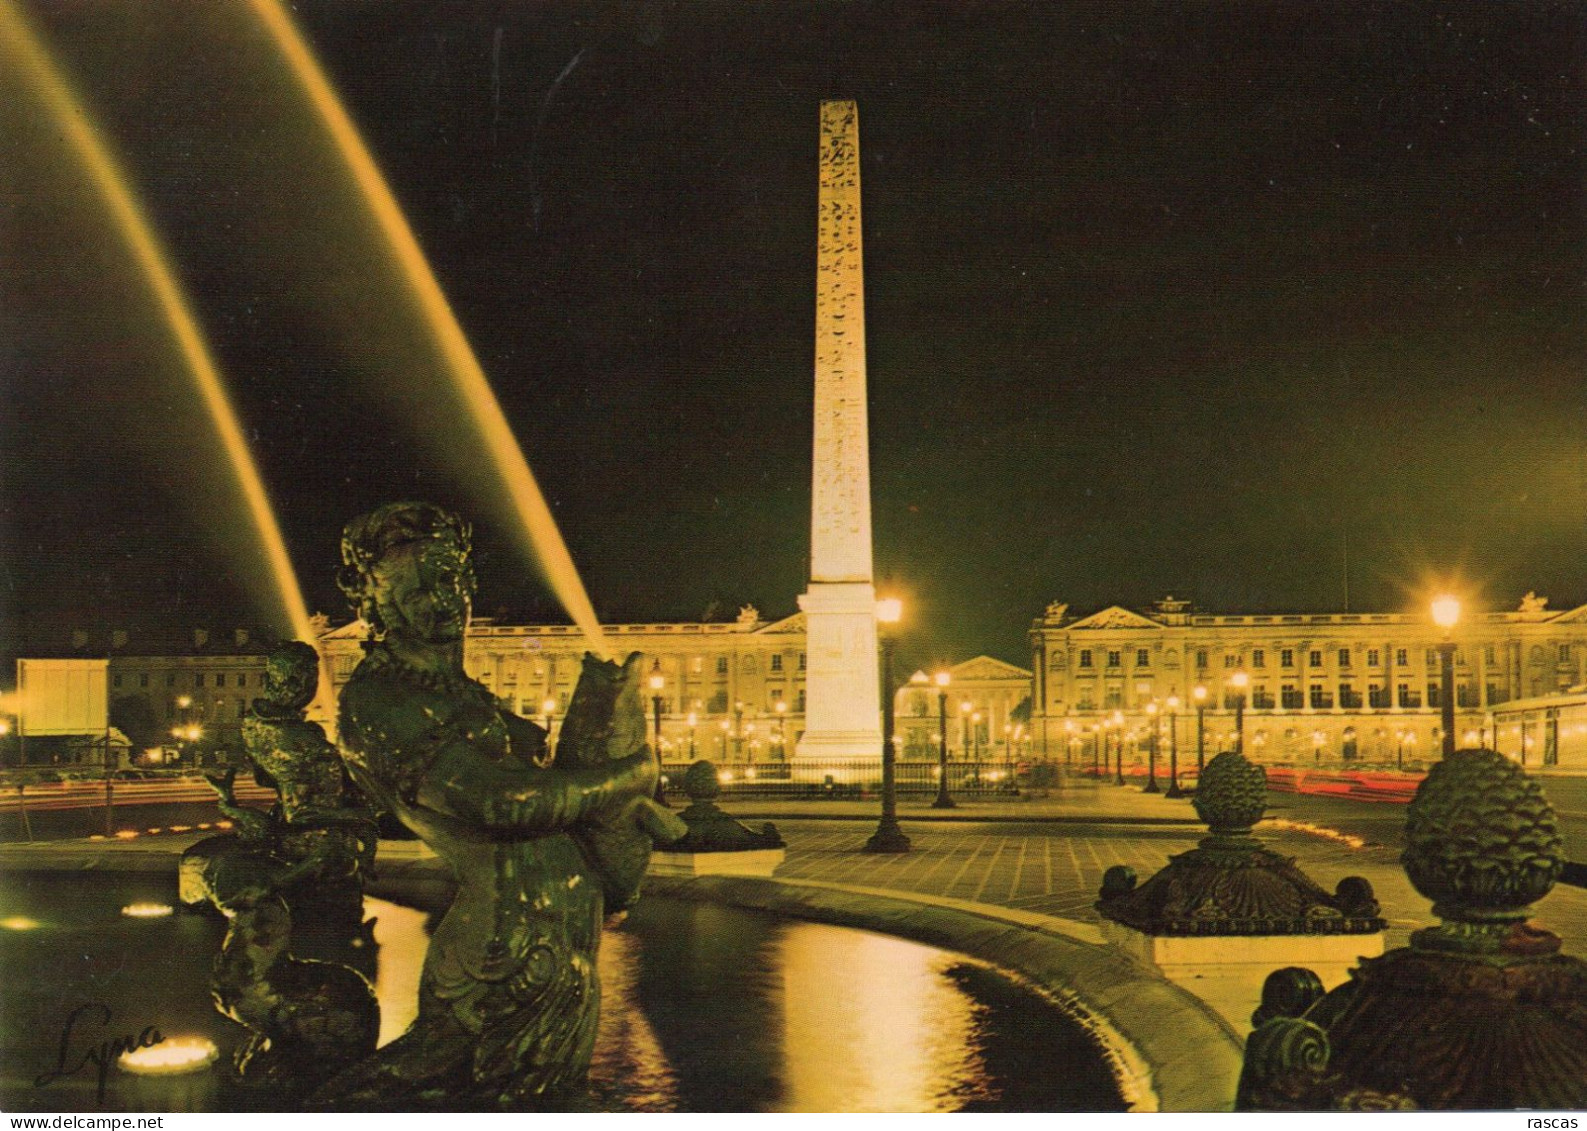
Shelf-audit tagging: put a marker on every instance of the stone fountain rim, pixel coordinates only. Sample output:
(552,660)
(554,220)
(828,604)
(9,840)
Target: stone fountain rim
(1168,1050)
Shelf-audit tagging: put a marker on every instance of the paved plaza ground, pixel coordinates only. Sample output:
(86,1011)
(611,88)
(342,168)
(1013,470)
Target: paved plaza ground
(1044,855)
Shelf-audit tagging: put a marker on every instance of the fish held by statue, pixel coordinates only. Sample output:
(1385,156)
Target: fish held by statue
(605,721)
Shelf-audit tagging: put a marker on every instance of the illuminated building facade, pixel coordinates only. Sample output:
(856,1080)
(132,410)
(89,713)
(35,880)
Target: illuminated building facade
(1322,687)
(730,692)
(988,705)
(167,694)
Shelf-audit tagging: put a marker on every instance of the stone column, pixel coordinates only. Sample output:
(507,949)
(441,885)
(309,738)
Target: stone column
(842,706)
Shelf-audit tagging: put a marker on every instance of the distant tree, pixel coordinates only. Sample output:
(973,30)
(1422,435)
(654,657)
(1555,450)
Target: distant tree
(133,715)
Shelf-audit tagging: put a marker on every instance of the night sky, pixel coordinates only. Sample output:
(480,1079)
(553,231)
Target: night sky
(1194,298)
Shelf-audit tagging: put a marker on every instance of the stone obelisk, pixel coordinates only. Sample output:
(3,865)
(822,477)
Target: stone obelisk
(842,705)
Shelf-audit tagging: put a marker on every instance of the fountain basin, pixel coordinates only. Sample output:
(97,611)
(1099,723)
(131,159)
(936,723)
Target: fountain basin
(707,1008)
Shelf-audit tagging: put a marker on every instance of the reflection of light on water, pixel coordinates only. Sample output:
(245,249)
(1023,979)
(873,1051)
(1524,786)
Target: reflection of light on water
(19,923)
(881,1029)
(170,1057)
(400,935)
(147,910)
(626,1047)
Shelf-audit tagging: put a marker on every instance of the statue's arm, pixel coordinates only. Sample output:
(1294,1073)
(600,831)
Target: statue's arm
(512,796)
(437,767)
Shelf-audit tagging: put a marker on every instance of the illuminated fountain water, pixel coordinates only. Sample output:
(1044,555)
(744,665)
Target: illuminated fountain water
(535,524)
(46,78)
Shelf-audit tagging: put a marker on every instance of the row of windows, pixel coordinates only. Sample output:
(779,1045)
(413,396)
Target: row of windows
(1314,657)
(717,704)
(1319,696)
(696,663)
(239,679)
(195,711)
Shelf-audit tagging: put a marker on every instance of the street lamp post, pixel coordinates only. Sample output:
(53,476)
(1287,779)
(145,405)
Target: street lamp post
(1239,681)
(1199,694)
(657,682)
(888,837)
(1446,612)
(782,727)
(1151,749)
(1173,748)
(694,721)
(943,801)
(547,710)
(1118,755)
(738,729)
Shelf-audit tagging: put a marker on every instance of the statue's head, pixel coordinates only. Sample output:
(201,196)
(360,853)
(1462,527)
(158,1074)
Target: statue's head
(291,675)
(407,572)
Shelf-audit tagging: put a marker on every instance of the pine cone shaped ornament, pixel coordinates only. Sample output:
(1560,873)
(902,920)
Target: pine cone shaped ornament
(1231,795)
(1481,841)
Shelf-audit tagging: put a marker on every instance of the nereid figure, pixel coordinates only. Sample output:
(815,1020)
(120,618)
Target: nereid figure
(509,996)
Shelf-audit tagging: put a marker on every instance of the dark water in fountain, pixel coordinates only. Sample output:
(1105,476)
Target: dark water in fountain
(705,1009)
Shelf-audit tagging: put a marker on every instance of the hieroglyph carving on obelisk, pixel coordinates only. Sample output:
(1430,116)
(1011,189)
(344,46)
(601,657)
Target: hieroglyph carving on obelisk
(842,705)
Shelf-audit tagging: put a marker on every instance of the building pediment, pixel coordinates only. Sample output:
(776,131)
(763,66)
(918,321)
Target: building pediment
(986,668)
(795,625)
(1577,615)
(352,630)
(1115,616)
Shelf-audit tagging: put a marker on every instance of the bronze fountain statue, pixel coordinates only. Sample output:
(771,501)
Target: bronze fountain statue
(293,871)
(542,847)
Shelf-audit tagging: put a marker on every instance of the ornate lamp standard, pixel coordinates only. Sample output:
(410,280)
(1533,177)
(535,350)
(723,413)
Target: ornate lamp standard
(548,708)
(1173,748)
(1446,613)
(1118,725)
(943,801)
(726,727)
(888,837)
(1240,680)
(1151,749)
(782,728)
(738,729)
(1096,749)
(657,681)
(1199,694)
(694,720)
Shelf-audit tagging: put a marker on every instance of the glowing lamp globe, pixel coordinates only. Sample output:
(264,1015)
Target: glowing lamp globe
(1446,611)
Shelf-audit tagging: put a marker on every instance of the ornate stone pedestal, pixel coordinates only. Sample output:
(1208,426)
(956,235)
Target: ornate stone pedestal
(1218,918)
(1480,1012)
(716,844)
